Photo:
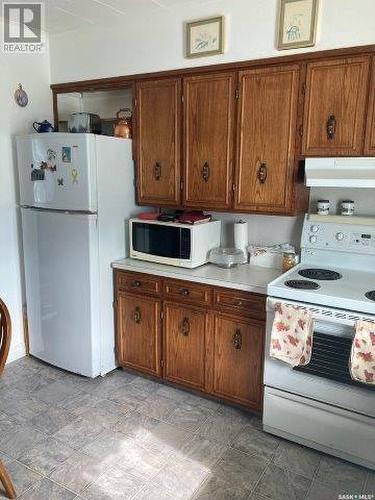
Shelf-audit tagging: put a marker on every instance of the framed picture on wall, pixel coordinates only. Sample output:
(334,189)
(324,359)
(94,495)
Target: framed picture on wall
(297,23)
(205,37)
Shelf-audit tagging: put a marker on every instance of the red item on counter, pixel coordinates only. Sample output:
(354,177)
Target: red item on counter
(148,215)
(194,217)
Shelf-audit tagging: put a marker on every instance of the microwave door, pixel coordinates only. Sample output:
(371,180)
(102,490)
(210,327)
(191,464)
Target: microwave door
(161,240)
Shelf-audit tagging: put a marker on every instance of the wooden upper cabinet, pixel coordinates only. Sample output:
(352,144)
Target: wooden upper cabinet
(139,333)
(158,135)
(370,126)
(266,132)
(208,140)
(335,101)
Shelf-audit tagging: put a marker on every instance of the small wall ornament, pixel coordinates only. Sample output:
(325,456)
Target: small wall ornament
(21,97)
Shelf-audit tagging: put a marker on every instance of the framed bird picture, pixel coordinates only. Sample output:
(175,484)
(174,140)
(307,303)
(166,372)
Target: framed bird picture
(205,37)
(297,24)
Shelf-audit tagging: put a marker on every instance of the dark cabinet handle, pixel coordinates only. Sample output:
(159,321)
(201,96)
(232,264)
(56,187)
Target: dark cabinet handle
(185,327)
(331,127)
(184,291)
(137,315)
(157,171)
(262,173)
(136,283)
(205,172)
(237,339)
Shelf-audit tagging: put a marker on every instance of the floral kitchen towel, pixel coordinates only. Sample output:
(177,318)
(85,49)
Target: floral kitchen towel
(291,337)
(362,356)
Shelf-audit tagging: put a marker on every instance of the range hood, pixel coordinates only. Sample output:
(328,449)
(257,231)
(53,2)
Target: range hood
(340,172)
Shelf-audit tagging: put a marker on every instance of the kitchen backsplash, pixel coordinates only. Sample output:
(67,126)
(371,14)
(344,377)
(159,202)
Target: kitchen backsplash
(263,229)
(364,199)
(270,230)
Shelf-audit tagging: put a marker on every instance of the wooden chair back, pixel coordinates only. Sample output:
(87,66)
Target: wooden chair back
(5,334)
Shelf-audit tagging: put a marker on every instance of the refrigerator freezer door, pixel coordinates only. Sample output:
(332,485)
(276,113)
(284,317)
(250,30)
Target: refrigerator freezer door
(62,289)
(57,171)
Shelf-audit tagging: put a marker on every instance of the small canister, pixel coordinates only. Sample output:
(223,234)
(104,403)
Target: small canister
(347,207)
(322,207)
(289,260)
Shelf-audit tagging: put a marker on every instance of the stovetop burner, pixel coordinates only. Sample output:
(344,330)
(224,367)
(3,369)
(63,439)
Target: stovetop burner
(302,284)
(320,274)
(370,295)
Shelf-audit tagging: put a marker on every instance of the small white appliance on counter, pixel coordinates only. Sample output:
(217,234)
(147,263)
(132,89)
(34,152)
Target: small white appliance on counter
(75,192)
(319,405)
(173,243)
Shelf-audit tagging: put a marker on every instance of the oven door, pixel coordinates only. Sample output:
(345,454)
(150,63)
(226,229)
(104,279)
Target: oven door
(326,378)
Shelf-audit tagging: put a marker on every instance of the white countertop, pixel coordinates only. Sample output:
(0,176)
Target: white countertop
(245,277)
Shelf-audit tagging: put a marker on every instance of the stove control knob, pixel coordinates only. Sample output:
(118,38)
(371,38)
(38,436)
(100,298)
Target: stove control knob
(313,239)
(314,229)
(340,236)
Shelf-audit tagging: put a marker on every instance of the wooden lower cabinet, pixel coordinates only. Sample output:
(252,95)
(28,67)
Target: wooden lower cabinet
(236,360)
(185,331)
(215,347)
(138,333)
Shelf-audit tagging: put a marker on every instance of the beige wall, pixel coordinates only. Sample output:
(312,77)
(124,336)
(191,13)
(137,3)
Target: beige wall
(33,72)
(155,42)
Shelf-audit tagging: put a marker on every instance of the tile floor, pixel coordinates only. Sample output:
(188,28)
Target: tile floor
(124,436)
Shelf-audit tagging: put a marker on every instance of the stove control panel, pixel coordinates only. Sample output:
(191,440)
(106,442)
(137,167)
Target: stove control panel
(346,237)
(340,236)
(363,239)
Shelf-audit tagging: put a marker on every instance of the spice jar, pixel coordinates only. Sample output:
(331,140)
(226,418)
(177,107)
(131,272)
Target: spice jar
(323,207)
(347,207)
(289,260)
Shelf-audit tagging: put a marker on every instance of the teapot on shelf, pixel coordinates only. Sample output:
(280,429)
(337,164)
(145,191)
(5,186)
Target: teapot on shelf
(123,127)
(42,127)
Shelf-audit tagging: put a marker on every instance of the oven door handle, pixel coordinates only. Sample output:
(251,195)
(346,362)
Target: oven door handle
(322,314)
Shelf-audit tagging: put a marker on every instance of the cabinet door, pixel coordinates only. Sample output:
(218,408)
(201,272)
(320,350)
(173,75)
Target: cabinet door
(370,127)
(208,136)
(185,331)
(335,100)
(237,360)
(266,134)
(138,333)
(158,134)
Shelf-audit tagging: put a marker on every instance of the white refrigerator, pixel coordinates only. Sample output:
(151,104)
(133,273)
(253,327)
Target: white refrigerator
(76,194)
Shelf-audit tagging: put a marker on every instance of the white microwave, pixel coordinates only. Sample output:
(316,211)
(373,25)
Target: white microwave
(183,245)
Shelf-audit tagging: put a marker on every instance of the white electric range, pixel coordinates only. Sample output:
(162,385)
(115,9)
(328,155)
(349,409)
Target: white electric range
(319,405)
